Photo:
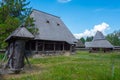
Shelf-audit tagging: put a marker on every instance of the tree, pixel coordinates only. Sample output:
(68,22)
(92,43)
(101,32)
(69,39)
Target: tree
(88,39)
(82,40)
(13,13)
(30,25)
(6,28)
(113,38)
(17,8)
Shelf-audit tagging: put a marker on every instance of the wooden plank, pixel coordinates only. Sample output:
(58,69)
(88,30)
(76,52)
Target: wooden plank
(10,56)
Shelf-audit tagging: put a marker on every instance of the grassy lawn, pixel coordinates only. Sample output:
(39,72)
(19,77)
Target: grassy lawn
(81,66)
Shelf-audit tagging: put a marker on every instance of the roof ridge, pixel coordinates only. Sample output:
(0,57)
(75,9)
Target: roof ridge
(46,13)
(19,28)
(18,33)
(99,36)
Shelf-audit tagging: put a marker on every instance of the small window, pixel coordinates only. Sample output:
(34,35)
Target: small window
(58,24)
(47,21)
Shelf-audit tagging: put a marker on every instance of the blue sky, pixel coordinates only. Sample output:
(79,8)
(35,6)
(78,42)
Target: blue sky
(83,17)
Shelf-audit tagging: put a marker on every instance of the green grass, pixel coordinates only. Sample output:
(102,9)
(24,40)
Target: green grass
(81,66)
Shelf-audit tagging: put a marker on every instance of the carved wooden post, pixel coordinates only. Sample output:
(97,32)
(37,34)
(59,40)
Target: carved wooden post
(16,56)
(19,55)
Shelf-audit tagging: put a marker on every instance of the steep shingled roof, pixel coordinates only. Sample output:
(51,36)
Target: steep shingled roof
(20,32)
(51,28)
(98,36)
(99,41)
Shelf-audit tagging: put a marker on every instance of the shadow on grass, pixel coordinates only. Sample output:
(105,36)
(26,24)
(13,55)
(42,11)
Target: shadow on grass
(27,71)
(1,76)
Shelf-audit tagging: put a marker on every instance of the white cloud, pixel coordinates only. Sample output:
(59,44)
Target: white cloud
(64,1)
(100,27)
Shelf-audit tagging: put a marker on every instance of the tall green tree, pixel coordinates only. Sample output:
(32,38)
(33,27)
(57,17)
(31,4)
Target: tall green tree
(17,8)
(82,40)
(13,13)
(6,28)
(88,39)
(114,38)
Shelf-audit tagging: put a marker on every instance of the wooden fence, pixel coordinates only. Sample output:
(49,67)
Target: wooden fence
(86,49)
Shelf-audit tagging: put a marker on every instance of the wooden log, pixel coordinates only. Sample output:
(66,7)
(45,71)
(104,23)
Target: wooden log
(27,60)
(10,56)
(4,57)
(18,58)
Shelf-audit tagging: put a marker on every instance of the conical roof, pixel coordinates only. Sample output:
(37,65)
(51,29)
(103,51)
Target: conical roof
(20,32)
(99,41)
(99,36)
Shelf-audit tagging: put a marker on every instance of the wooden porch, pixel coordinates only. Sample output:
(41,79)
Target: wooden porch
(48,47)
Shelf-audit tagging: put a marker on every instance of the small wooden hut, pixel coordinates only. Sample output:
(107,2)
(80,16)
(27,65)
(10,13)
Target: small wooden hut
(16,48)
(53,36)
(99,43)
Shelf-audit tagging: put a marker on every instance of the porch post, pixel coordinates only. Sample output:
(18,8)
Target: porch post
(36,48)
(43,49)
(54,46)
(70,48)
(30,47)
(63,47)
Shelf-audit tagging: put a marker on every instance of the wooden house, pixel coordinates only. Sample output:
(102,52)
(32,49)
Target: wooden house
(99,43)
(53,35)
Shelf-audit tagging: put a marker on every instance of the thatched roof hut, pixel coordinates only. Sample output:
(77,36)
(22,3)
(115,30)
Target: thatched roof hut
(51,28)
(99,42)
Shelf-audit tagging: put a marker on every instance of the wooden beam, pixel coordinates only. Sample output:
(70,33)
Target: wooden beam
(27,60)
(30,45)
(63,46)
(5,56)
(43,49)
(36,47)
(10,56)
(54,46)
(70,48)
